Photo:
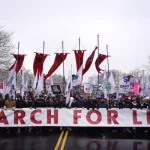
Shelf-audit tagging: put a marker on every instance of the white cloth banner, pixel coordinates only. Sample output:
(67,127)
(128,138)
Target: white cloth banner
(75,117)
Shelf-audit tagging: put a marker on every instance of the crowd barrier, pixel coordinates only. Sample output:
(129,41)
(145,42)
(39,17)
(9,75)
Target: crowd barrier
(79,117)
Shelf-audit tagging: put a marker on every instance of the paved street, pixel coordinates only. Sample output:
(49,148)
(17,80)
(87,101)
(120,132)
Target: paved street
(77,139)
(29,142)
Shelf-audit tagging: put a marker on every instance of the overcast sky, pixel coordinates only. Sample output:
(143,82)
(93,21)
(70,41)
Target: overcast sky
(122,24)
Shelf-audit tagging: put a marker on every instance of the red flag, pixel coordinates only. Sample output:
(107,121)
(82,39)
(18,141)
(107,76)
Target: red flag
(98,61)
(79,54)
(89,61)
(59,58)
(38,63)
(19,59)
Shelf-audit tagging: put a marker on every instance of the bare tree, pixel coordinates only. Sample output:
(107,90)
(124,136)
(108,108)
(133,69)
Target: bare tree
(6,50)
(136,73)
(116,74)
(148,65)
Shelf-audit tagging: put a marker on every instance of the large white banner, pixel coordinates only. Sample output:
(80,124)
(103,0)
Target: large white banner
(75,117)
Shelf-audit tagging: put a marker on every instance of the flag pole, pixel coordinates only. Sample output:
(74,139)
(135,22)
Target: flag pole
(143,83)
(108,68)
(98,59)
(79,43)
(107,61)
(43,47)
(63,81)
(79,60)
(21,82)
(18,47)
(16,71)
(44,82)
(71,81)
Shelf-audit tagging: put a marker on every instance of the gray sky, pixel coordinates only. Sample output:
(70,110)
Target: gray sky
(122,24)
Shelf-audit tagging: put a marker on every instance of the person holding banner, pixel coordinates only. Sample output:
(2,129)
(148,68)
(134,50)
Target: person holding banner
(1,101)
(10,104)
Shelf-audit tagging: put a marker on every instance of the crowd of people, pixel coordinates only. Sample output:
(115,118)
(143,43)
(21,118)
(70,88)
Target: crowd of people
(76,101)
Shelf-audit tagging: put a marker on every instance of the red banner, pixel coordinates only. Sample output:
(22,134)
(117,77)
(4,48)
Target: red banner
(19,59)
(89,61)
(59,58)
(79,54)
(98,61)
(38,63)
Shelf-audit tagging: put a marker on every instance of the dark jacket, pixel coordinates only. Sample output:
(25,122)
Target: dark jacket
(21,104)
(1,103)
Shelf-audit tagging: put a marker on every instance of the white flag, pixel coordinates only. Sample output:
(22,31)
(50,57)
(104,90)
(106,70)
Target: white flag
(112,83)
(78,78)
(50,88)
(35,81)
(68,88)
(40,84)
(11,83)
